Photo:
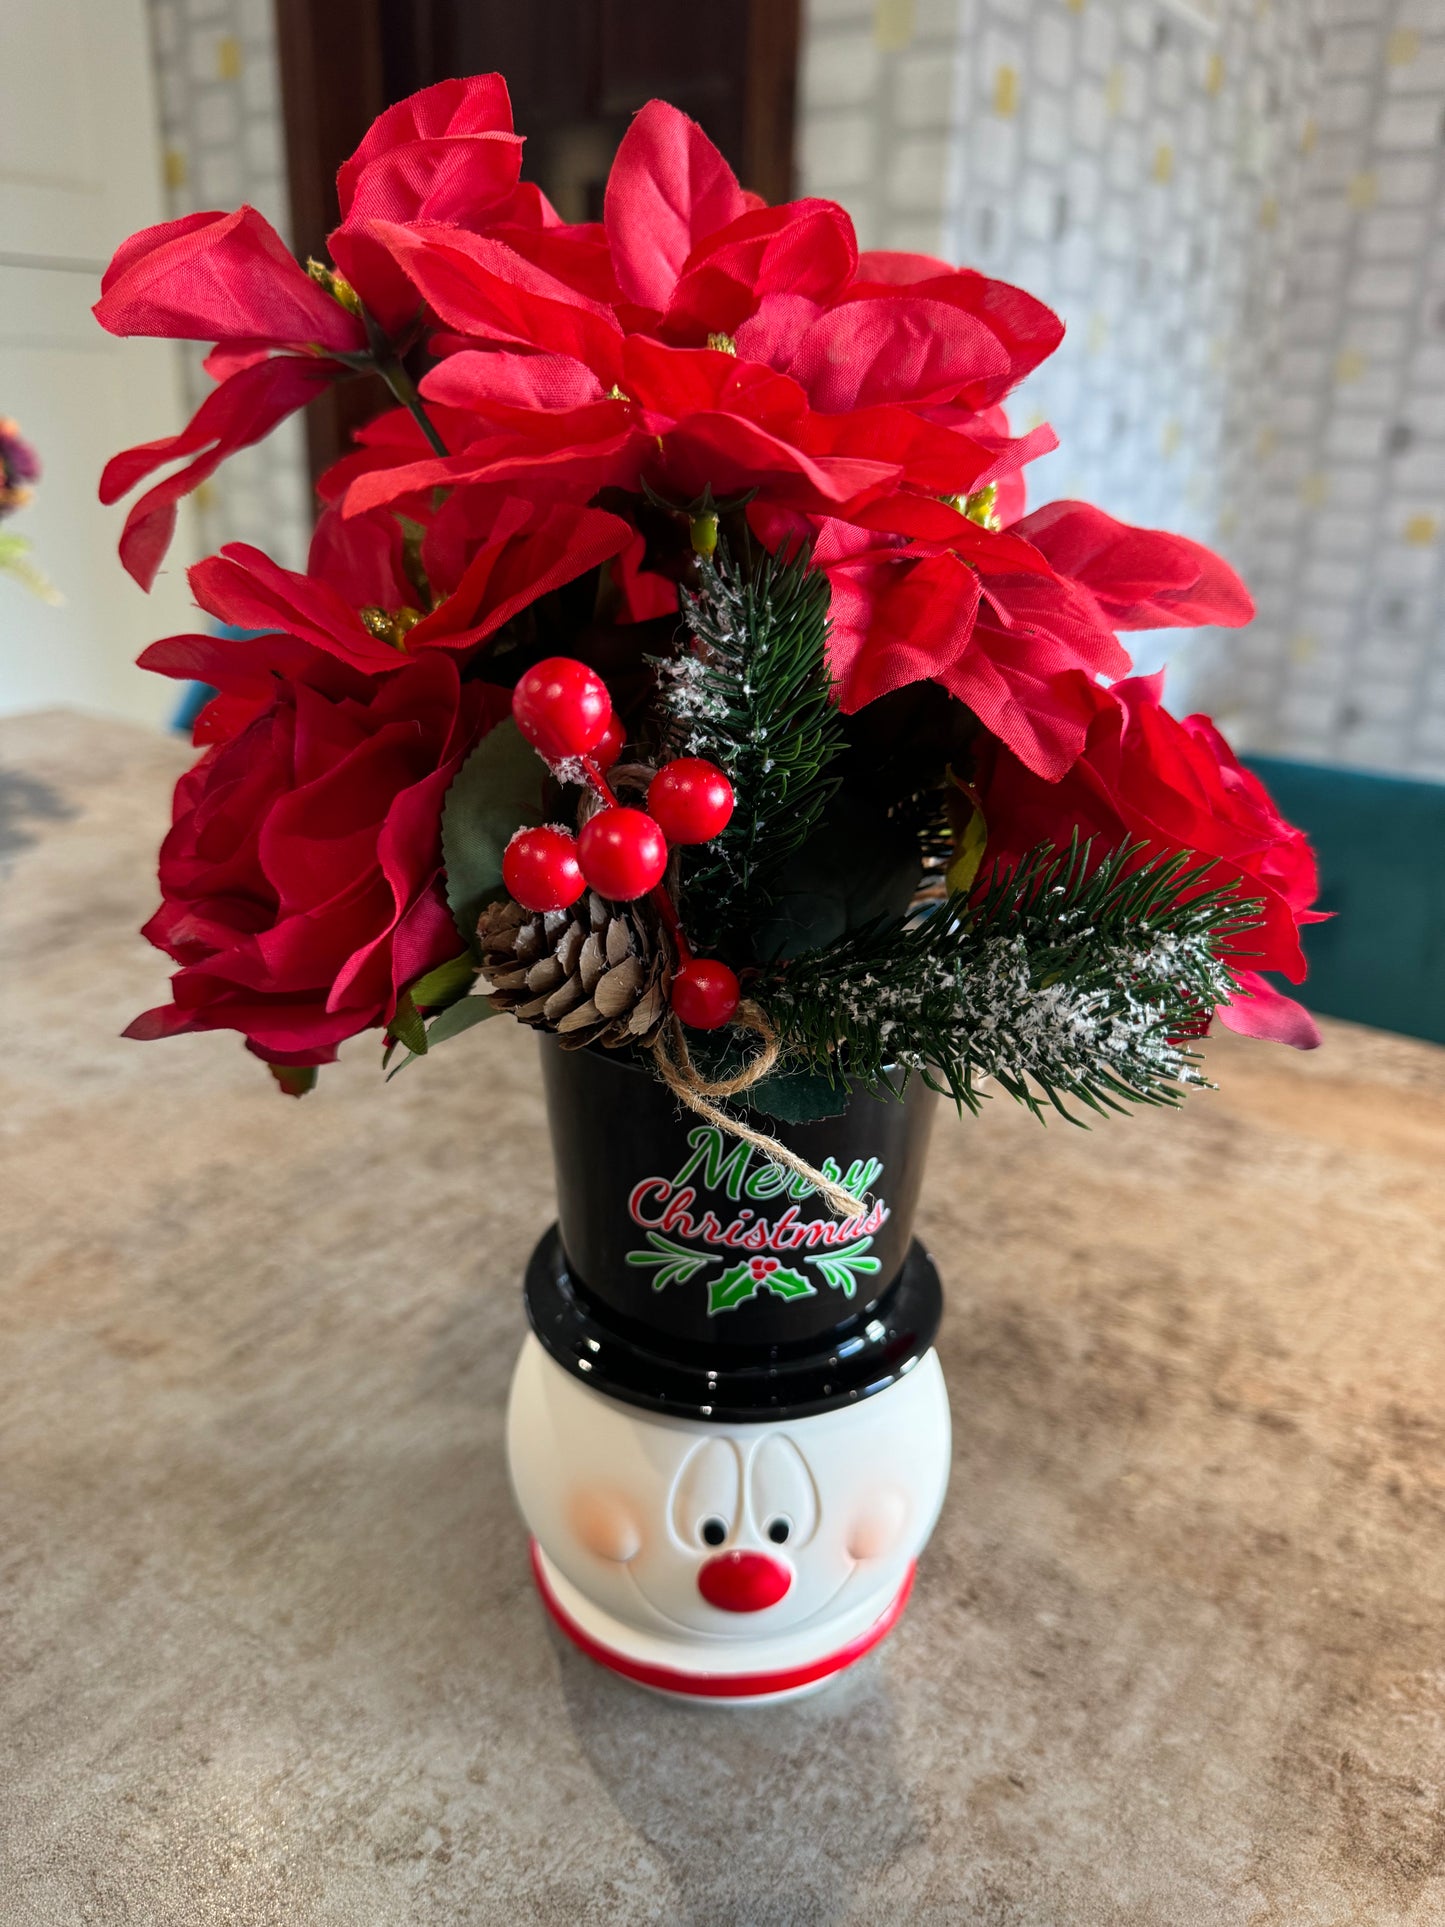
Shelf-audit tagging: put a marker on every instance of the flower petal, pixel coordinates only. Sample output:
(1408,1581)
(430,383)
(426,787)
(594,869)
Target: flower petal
(1262,1011)
(244,409)
(220,277)
(669,189)
(900,350)
(452,109)
(1140,578)
(245,587)
(481,287)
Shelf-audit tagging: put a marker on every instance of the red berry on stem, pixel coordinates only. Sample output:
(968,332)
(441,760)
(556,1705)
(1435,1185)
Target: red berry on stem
(691,799)
(562,708)
(609,748)
(540,868)
(705,993)
(623,853)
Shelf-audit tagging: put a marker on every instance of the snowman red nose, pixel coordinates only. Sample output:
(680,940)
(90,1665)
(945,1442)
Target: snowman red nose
(743,1582)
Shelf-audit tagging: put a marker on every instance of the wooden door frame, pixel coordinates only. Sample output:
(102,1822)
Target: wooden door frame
(332,89)
(333,85)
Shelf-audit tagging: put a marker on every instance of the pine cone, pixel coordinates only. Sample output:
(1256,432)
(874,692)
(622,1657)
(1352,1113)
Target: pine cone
(598,973)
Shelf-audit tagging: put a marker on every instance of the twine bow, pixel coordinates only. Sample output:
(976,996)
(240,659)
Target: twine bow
(680,1074)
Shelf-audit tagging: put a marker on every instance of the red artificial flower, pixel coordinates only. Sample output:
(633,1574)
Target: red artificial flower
(227,278)
(696,258)
(1174,786)
(1137,578)
(1002,619)
(302,874)
(486,557)
(751,349)
(448,153)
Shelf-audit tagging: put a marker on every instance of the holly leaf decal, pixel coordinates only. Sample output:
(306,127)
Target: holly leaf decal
(741,1282)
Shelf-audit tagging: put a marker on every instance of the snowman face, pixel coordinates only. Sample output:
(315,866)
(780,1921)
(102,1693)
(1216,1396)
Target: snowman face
(731,1531)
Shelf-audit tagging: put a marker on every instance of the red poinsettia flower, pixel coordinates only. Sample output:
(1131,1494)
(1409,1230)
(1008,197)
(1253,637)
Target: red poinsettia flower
(301,876)
(486,556)
(744,348)
(695,258)
(227,278)
(448,153)
(1175,786)
(678,419)
(1001,618)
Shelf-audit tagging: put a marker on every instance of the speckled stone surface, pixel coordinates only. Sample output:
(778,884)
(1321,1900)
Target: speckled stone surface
(268,1649)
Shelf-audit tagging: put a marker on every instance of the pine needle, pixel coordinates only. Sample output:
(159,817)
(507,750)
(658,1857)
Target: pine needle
(1060,983)
(752,694)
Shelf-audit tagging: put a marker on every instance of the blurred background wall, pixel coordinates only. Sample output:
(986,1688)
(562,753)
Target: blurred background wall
(79,170)
(223,142)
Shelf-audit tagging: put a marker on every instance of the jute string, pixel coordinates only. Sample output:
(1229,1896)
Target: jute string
(684,1080)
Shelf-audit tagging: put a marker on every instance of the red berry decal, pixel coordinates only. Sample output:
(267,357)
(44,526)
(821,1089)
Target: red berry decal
(623,853)
(609,748)
(691,799)
(540,869)
(562,708)
(705,993)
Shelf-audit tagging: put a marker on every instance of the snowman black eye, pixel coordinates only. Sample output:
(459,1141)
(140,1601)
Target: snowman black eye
(714,1531)
(779,1531)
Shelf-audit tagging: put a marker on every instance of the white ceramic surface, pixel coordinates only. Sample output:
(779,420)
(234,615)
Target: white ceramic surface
(713,1549)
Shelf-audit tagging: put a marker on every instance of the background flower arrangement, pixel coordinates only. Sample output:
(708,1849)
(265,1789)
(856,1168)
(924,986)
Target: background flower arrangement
(19,471)
(762,489)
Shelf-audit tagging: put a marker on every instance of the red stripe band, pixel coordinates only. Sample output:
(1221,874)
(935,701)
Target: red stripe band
(667,1679)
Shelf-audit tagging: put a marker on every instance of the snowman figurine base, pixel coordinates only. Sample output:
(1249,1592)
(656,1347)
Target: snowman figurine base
(766,1671)
(726,1539)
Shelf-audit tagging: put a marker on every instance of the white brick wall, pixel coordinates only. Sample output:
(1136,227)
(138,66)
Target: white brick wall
(1244,230)
(221,130)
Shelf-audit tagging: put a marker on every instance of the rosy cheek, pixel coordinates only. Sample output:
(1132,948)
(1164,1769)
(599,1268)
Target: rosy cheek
(878,1526)
(604,1524)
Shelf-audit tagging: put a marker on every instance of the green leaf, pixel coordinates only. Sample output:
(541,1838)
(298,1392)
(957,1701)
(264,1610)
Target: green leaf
(1067,979)
(857,866)
(964,867)
(840,1269)
(407,1027)
(497,789)
(751,691)
(15,561)
(294,1079)
(676,1263)
(458,1017)
(445,984)
(740,1282)
(797,1097)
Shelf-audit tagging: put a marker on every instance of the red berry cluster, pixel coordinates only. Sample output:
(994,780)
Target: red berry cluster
(566,714)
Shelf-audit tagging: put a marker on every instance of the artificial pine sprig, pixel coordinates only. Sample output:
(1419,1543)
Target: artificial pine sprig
(1058,982)
(751,693)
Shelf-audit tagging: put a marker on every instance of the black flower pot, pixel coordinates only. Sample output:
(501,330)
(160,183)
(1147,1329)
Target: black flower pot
(690,1273)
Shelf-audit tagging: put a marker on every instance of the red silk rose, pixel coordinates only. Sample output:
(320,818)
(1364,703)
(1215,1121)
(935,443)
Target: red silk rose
(1176,786)
(301,876)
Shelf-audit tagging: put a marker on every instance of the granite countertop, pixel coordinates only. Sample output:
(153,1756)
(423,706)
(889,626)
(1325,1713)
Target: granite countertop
(268,1647)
